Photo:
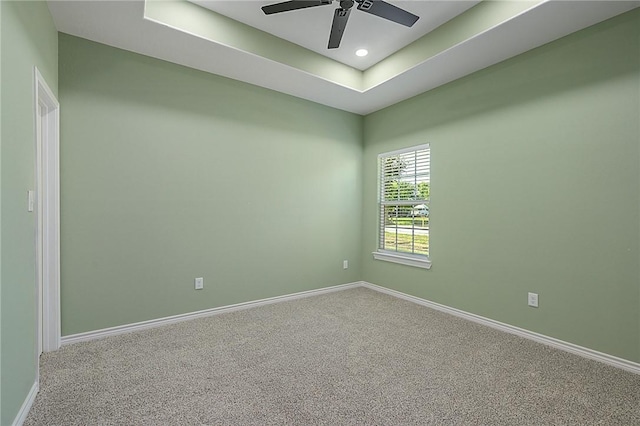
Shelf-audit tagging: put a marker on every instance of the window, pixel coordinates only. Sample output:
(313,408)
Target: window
(403,206)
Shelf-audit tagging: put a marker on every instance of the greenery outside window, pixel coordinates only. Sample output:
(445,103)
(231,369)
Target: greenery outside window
(403,206)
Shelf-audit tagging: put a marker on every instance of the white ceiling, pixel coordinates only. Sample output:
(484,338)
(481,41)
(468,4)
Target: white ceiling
(310,27)
(125,25)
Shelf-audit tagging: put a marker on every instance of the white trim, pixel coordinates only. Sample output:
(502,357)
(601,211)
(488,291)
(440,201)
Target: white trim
(409,259)
(39,220)
(26,405)
(49,194)
(614,361)
(127,328)
(404,150)
(403,260)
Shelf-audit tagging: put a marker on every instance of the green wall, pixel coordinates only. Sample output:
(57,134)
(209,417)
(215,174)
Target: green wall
(0,211)
(28,39)
(535,187)
(168,174)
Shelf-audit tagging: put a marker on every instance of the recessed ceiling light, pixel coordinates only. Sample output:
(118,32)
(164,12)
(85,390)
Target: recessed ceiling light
(362,52)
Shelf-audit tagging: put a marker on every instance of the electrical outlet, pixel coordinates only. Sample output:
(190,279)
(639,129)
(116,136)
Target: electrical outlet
(345,264)
(199,283)
(532,300)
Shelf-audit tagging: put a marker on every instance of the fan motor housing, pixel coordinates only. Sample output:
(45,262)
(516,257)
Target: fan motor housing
(346,4)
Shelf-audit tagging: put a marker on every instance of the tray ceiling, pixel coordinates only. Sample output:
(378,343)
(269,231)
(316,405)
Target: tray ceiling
(456,40)
(310,28)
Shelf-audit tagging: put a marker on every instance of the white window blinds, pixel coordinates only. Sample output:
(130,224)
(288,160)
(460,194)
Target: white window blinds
(404,201)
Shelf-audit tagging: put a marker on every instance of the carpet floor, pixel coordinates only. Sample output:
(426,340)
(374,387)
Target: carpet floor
(354,357)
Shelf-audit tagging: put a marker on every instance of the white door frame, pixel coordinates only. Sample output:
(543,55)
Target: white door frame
(47,129)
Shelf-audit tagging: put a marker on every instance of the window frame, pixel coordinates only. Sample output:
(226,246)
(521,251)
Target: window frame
(404,258)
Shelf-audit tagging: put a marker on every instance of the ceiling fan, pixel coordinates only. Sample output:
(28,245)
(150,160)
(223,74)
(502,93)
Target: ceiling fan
(341,15)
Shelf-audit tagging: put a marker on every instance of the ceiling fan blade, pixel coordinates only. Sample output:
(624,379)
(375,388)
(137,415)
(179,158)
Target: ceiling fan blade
(340,18)
(388,11)
(293,5)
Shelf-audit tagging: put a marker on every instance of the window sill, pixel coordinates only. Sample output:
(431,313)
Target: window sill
(418,262)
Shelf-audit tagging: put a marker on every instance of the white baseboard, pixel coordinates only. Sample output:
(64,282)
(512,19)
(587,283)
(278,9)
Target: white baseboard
(624,364)
(26,405)
(128,328)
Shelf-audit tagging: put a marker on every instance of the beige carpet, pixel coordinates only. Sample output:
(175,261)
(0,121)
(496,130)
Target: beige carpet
(351,357)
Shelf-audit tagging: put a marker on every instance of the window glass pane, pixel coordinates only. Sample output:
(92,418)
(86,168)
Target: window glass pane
(406,229)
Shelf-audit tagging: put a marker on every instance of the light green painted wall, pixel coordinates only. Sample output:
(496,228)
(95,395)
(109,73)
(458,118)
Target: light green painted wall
(168,174)
(0,210)
(28,39)
(535,187)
